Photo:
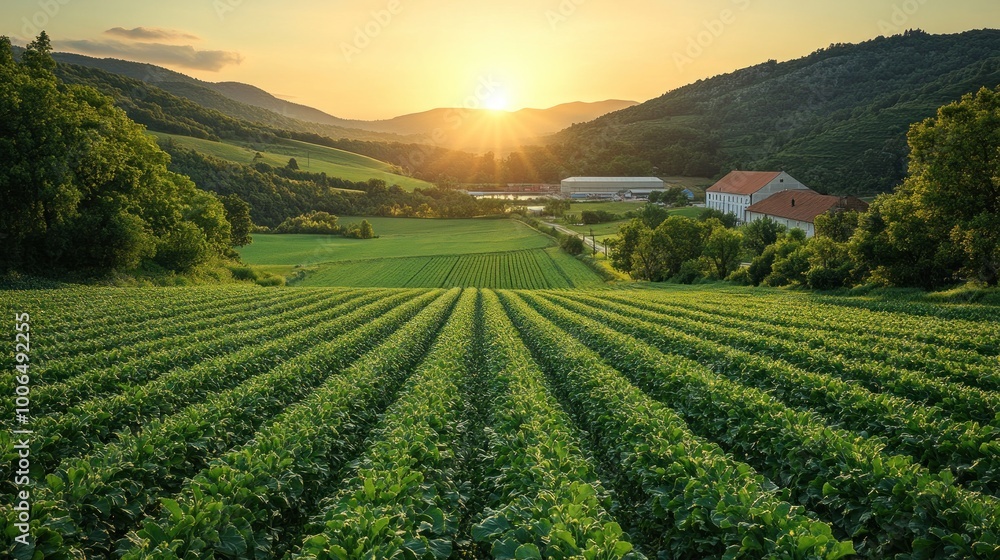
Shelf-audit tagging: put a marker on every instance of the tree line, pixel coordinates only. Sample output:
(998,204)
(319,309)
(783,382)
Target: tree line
(278,193)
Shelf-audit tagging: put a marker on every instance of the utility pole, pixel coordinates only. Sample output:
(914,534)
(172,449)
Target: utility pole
(593,241)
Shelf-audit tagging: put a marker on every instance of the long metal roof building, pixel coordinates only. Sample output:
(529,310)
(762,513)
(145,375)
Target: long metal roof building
(609,185)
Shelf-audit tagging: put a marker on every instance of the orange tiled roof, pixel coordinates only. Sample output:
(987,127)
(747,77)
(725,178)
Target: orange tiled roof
(807,205)
(744,182)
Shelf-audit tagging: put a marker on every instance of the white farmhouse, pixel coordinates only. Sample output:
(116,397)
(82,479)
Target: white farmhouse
(735,192)
(606,186)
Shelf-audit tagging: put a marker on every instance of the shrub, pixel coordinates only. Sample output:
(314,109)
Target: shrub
(572,244)
(741,276)
(184,248)
(690,271)
(271,280)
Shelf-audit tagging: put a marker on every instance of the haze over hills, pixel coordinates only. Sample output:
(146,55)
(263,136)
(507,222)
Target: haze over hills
(217,97)
(476,130)
(485,130)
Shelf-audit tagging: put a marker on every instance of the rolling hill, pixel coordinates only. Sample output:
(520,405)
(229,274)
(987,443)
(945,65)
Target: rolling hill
(476,130)
(484,130)
(310,157)
(836,119)
(133,80)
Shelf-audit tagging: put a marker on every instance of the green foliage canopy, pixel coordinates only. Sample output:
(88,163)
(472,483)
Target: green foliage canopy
(941,224)
(84,187)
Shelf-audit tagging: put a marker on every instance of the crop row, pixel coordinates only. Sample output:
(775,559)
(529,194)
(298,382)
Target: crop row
(61,330)
(254,500)
(96,421)
(887,502)
(926,433)
(962,366)
(961,402)
(109,341)
(101,495)
(107,309)
(515,269)
(548,498)
(684,495)
(404,497)
(64,383)
(850,315)
(525,269)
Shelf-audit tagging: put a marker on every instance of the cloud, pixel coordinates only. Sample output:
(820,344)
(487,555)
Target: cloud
(185,56)
(151,34)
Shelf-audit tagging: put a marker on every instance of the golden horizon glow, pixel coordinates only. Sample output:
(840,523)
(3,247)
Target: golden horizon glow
(496,102)
(378,59)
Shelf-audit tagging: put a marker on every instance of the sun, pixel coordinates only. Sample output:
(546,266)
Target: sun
(496,102)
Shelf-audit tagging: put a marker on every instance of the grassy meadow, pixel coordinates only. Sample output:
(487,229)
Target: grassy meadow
(310,157)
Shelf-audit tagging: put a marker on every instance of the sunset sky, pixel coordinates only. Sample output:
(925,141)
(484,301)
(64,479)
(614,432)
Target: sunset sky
(373,59)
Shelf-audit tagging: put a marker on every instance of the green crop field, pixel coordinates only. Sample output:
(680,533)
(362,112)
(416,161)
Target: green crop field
(648,422)
(310,157)
(533,268)
(425,254)
(398,237)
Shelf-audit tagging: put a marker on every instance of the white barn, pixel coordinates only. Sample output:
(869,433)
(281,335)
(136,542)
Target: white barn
(608,185)
(738,190)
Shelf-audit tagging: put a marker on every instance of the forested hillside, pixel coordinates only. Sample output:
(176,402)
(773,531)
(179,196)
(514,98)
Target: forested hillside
(836,119)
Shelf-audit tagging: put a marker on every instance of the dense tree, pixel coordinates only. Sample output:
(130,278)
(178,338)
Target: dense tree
(316,222)
(278,193)
(622,247)
(838,226)
(238,215)
(762,267)
(38,55)
(572,244)
(85,187)
(556,207)
(722,250)
(652,215)
(661,253)
(728,219)
(590,217)
(673,196)
(6,51)
(758,234)
(830,265)
(367,231)
(941,224)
